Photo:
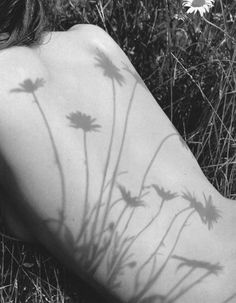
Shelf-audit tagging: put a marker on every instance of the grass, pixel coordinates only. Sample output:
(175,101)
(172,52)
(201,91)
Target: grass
(30,274)
(188,63)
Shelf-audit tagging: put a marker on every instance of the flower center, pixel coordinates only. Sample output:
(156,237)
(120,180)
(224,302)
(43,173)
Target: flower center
(198,3)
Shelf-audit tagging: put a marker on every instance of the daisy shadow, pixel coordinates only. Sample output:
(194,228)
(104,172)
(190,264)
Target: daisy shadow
(208,213)
(213,268)
(134,74)
(195,204)
(110,70)
(82,121)
(166,195)
(212,213)
(28,86)
(130,200)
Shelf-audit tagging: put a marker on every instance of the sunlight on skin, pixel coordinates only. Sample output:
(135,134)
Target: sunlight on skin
(158,232)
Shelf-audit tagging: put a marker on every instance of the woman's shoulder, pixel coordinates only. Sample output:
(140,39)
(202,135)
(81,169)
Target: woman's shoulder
(90,33)
(80,39)
(65,52)
(56,56)
(82,36)
(89,37)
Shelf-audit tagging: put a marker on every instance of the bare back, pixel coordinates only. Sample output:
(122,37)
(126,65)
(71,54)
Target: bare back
(99,175)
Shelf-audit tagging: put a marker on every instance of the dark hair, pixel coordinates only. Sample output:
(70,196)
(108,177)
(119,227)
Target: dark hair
(22,22)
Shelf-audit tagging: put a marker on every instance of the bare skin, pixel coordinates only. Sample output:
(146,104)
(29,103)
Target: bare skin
(93,168)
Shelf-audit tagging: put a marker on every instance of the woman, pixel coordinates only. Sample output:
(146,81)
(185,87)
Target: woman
(92,169)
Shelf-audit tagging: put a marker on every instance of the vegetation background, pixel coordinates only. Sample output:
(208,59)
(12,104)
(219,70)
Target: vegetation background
(188,62)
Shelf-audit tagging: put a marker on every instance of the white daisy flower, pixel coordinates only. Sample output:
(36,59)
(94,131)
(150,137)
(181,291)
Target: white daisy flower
(201,6)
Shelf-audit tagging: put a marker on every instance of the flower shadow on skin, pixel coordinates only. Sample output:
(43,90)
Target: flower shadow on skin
(110,70)
(197,264)
(119,262)
(166,195)
(87,124)
(127,197)
(212,214)
(209,214)
(134,74)
(30,87)
(210,268)
(82,121)
(198,206)
(133,202)
(155,274)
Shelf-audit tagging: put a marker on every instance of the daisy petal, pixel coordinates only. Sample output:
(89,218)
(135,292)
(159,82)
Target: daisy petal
(200,6)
